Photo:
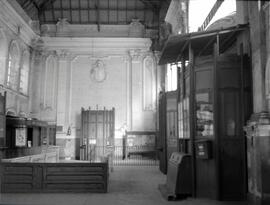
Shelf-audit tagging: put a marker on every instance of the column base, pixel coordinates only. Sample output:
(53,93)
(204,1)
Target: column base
(255,200)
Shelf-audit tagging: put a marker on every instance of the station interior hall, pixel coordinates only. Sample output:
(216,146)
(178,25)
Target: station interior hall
(135,102)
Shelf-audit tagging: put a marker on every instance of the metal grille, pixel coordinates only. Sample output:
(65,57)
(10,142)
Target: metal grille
(124,155)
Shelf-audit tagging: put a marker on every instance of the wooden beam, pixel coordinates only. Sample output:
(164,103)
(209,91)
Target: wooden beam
(108,6)
(135,11)
(154,4)
(53,15)
(35,4)
(80,12)
(61,6)
(97,14)
(117,15)
(126,12)
(24,3)
(44,6)
(88,8)
(70,10)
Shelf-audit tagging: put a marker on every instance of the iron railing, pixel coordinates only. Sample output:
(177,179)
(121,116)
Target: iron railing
(123,155)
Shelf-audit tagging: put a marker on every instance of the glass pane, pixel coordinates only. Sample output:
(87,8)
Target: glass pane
(186,118)
(180,120)
(204,115)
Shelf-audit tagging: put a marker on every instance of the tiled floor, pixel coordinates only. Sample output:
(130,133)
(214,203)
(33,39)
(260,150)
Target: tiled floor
(127,186)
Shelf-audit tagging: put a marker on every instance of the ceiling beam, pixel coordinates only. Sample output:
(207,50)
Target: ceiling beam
(44,6)
(26,4)
(35,4)
(97,14)
(46,3)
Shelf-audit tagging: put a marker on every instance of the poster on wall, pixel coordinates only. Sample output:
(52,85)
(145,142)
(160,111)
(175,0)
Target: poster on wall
(20,137)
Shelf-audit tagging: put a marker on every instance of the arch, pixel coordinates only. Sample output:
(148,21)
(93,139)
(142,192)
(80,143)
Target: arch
(12,74)
(24,72)
(3,55)
(267,80)
(149,83)
(50,82)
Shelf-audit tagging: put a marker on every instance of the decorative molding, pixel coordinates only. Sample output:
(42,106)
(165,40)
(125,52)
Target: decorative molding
(63,54)
(127,58)
(149,83)
(37,44)
(75,57)
(136,29)
(11,111)
(136,55)
(97,46)
(15,22)
(98,72)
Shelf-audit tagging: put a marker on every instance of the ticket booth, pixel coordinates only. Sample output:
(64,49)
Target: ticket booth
(214,102)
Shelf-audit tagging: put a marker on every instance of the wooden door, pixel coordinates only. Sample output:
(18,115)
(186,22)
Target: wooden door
(234,98)
(161,140)
(171,124)
(2,120)
(97,133)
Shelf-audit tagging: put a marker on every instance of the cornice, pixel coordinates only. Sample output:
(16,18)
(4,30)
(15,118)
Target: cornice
(11,19)
(90,45)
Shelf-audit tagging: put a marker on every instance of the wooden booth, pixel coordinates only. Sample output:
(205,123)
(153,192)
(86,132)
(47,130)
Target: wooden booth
(27,136)
(167,138)
(214,102)
(2,123)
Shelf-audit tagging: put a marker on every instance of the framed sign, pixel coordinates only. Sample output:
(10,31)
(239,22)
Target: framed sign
(20,137)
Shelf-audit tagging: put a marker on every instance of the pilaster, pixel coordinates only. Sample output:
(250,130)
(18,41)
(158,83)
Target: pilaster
(37,64)
(63,87)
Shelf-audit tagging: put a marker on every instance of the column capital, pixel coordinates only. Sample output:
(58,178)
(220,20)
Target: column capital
(64,55)
(136,55)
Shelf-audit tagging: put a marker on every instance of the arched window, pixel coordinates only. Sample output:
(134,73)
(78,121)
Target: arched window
(50,82)
(13,66)
(3,55)
(149,84)
(24,75)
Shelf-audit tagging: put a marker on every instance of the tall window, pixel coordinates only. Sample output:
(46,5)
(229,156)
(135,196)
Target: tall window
(24,75)
(13,66)
(171,77)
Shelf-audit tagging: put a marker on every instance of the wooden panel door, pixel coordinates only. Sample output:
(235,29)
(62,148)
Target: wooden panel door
(233,109)
(162,140)
(171,123)
(2,120)
(97,133)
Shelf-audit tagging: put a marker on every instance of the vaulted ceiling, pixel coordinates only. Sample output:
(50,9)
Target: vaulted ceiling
(95,11)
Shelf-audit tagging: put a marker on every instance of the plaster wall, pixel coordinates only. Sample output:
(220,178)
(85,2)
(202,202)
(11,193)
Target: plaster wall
(109,92)
(60,80)
(13,29)
(98,73)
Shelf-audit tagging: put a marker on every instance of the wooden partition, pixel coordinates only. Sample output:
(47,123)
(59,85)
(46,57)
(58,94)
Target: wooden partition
(167,138)
(2,120)
(54,177)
